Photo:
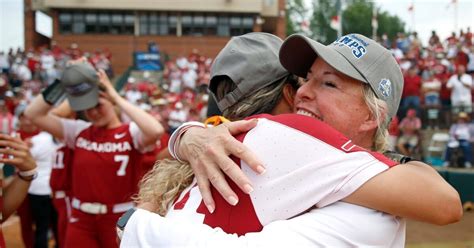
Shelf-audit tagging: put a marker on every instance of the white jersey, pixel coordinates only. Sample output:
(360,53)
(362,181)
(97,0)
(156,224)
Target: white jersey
(307,164)
(337,225)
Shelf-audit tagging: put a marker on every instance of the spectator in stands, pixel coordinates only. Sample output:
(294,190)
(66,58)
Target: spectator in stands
(409,139)
(160,110)
(470,65)
(6,119)
(397,52)
(393,132)
(451,46)
(385,41)
(411,90)
(4,65)
(415,41)
(133,94)
(153,47)
(21,73)
(434,39)
(441,73)
(103,63)
(460,85)
(462,57)
(402,42)
(48,70)
(175,80)
(177,117)
(461,134)
(468,37)
(189,77)
(431,95)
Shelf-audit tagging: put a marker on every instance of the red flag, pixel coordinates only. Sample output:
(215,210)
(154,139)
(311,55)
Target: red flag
(335,23)
(410,8)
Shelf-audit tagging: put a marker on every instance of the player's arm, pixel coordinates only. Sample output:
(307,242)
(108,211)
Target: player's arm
(38,112)
(207,151)
(147,229)
(149,126)
(16,152)
(411,190)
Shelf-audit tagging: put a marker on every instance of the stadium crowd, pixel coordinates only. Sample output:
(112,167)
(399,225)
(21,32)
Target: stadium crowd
(437,92)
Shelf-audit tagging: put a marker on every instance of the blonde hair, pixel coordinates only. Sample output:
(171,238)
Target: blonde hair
(378,109)
(163,183)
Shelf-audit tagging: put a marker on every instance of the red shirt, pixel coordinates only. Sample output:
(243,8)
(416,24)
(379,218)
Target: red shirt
(33,63)
(61,177)
(393,127)
(462,58)
(105,165)
(445,93)
(412,85)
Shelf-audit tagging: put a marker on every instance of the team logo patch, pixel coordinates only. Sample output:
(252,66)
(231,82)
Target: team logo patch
(385,87)
(357,45)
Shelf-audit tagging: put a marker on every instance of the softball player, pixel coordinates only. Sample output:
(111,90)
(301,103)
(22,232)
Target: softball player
(106,152)
(60,183)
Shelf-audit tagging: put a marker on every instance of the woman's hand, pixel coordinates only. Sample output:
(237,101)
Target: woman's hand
(16,152)
(107,86)
(208,151)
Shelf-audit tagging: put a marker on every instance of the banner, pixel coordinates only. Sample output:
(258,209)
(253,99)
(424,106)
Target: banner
(146,61)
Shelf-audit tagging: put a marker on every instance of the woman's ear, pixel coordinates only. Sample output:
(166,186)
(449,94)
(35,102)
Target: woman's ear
(289,94)
(369,124)
(372,121)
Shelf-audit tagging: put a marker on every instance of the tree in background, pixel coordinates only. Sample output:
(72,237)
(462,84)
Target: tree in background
(356,18)
(296,14)
(323,11)
(390,25)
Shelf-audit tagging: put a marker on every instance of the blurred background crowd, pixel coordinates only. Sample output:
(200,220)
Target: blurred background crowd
(179,92)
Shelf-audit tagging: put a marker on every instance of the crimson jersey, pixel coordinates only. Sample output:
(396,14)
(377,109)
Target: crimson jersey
(308,163)
(61,177)
(105,161)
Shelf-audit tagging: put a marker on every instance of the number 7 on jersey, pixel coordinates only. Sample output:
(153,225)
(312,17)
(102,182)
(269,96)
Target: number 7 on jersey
(123,159)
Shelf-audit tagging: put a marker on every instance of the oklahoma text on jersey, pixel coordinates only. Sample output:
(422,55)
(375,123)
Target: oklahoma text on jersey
(103,147)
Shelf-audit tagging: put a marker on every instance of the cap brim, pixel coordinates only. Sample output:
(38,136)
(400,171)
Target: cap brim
(298,53)
(84,102)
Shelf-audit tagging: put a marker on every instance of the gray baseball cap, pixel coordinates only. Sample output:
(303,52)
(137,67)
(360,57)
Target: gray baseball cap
(251,61)
(80,82)
(354,55)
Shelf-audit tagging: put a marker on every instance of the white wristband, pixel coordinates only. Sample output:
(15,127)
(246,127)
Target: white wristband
(176,135)
(27,173)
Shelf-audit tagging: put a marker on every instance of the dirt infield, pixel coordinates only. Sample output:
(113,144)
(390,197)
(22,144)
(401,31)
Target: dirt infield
(461,234)
(419,235)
